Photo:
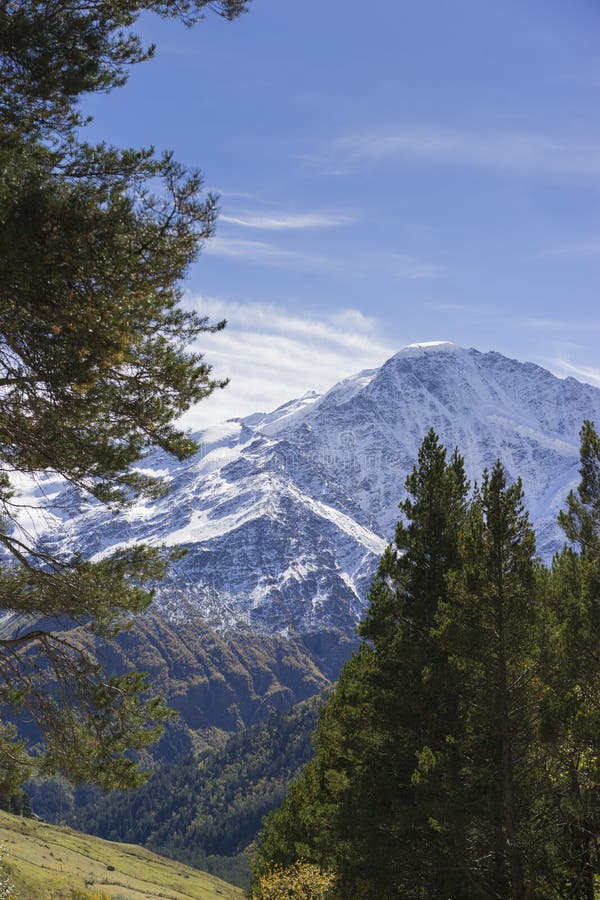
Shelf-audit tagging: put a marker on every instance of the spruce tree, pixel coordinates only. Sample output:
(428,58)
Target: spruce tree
(94,242)
(358,809)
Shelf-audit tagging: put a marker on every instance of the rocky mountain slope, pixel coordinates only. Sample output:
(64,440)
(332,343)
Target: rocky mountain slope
(284,515)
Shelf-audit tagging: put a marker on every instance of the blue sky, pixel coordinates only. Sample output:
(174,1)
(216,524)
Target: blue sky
(390,173)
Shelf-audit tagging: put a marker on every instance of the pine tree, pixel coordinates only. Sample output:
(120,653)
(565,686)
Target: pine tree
(411,703)
(93,361)
(357,810)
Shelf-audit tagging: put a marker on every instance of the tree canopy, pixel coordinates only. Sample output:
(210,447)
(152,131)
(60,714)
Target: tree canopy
(94,364)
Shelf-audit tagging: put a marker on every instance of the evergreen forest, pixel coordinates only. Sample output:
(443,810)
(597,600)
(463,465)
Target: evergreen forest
(458,755)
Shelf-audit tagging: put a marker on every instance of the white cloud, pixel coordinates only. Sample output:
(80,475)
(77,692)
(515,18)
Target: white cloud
(590,374)
(285,221)
(273,355)
(503,150)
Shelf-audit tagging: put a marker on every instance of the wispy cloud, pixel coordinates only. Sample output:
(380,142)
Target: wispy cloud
(286,221)
(591,374)
(238,195)
(513,150)
(362,265)
(263,253)
(273,354)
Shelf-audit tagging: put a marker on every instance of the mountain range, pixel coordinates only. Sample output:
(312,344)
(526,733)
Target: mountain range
(285,514)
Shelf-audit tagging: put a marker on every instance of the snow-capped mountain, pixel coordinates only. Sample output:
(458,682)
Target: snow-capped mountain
(285,514)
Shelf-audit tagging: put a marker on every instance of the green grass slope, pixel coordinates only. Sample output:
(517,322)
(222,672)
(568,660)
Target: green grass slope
(46,862)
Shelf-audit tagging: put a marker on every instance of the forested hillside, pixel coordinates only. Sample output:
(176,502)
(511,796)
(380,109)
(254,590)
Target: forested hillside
(204,810)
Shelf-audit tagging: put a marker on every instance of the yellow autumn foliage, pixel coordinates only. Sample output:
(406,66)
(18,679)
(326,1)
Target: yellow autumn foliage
(302,881)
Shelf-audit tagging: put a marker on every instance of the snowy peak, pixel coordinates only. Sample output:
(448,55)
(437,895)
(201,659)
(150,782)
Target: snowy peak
(421,348)
(364,434)
(285,514)
(262,420)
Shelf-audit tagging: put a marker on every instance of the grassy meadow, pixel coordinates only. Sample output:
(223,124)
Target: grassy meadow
(46,862)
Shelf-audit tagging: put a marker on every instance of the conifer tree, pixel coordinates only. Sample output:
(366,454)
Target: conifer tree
(412,691)
(572,709)
(489,627)
(93,363)
(357,810)
(458,757)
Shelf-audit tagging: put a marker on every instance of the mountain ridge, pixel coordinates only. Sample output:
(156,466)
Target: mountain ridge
(285,514)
